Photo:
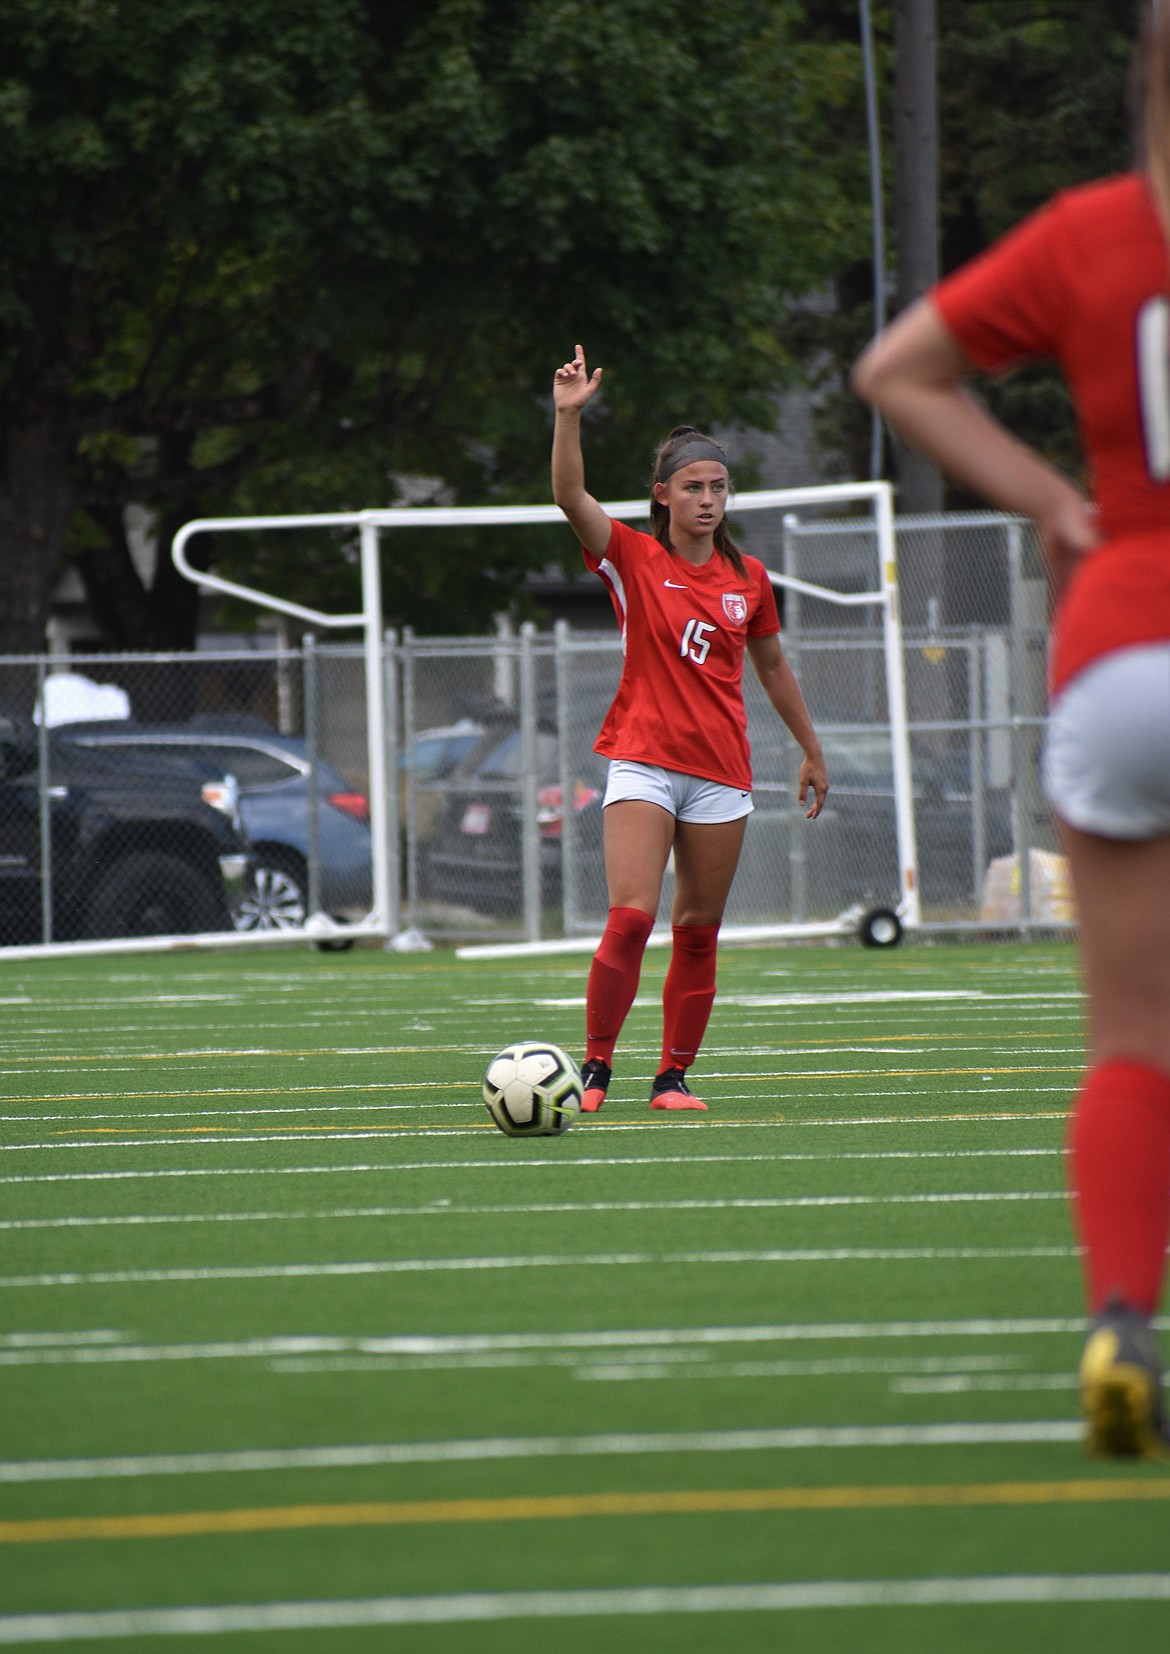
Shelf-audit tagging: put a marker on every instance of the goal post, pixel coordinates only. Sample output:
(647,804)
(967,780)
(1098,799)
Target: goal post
(372,524)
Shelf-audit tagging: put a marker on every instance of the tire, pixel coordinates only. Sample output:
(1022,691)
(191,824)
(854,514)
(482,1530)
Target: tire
(153,893)
(880,928)
(276,897)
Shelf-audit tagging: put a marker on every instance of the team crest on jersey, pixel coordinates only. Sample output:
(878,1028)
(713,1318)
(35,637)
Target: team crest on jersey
(735,607)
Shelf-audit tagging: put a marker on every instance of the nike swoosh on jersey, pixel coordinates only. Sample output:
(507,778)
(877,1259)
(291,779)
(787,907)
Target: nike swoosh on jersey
(674,586)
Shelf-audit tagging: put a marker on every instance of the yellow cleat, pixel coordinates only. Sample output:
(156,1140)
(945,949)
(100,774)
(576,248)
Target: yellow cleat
(1121,1388)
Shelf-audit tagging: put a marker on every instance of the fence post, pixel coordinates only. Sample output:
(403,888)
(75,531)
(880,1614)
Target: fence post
(395,743)
(565,768)
(529,786)
(1021,788)
(794,820)
(976,743)
(309,669)
(44,808)
(409,719)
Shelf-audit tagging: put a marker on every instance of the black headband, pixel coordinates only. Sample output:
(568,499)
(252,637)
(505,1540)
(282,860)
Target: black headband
(695,448)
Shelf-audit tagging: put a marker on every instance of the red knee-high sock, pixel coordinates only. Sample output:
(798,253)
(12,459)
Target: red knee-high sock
(688,993)
(613,979)
(1119,1176)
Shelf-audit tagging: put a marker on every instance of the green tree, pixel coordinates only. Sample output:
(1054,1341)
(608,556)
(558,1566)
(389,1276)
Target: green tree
(1034,96)
(282,254)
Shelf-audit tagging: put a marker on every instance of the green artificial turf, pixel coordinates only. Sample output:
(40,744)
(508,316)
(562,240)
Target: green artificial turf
(266,1266)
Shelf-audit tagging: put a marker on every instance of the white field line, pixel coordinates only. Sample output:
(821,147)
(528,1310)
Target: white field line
(721,1098)
(585,1162)
(160,1094)
(848,996)
(447,1208)
(300,1353)
(957,1384)
(633,1444)
(192,1138)
(616,1338)
(655,1371)
(550,1260)
(619,1603)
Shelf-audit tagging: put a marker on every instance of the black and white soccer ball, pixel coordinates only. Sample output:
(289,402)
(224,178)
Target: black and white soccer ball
(532,1089)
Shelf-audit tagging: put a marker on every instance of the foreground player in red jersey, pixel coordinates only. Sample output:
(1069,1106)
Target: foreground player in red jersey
(689,603)
(1086,282)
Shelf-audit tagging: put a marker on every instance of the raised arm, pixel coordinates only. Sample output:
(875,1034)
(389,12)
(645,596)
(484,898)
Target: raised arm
(572,389)
(783,691)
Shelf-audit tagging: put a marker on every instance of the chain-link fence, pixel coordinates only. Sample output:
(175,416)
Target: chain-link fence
(132,786)
(502,812)
(173,794)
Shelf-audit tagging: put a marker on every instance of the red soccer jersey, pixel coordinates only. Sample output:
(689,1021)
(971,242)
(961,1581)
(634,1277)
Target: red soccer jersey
(679,704)
(1085,281)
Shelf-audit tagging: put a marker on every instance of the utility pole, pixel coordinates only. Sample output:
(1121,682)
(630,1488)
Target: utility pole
(920,489)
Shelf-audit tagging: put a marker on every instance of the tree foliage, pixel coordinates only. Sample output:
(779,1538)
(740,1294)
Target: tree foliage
(1034,96)
(298,255)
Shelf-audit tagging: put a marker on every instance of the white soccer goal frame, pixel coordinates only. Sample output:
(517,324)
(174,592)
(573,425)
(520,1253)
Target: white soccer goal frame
(383,919)
(382,922)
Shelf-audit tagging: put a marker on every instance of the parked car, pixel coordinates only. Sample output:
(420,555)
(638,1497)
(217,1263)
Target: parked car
(273,775)
(434,753)
(138,847)
(852,851)
(471,854)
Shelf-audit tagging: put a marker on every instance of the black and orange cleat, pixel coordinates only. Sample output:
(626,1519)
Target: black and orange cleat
(595,1078)
(670,1090)
(1121,1388)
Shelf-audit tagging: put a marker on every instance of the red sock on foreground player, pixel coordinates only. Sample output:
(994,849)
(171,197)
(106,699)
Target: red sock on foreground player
(1119,1173)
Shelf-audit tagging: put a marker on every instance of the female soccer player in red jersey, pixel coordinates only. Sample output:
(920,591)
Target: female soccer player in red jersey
(1086,282)
(689,603)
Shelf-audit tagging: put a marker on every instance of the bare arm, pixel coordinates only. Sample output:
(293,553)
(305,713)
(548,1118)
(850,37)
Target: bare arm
(915,373)
(783,691)
(572,389)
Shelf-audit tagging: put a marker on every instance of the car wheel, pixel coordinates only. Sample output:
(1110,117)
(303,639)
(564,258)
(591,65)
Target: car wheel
(880,928)
(155,894)
(275,898)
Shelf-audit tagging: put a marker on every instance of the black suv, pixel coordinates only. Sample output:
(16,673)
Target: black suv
(137,848)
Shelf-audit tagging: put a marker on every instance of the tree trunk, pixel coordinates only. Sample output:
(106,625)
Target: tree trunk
(920,489)
(128,613)
(36,498)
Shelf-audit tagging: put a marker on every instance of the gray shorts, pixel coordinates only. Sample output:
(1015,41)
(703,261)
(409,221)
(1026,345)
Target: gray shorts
(685,797)
(1107,757)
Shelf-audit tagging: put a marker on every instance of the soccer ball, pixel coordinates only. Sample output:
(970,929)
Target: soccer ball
(532,1089)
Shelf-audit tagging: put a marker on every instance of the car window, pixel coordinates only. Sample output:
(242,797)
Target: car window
(503,762)
(251,766)
(434,755)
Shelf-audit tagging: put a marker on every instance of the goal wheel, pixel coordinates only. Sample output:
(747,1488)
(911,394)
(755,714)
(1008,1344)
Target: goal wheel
(880,928)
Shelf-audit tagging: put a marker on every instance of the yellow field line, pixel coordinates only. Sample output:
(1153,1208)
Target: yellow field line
(719,1501)
(462,1085)
(420,1050)
(486,1125)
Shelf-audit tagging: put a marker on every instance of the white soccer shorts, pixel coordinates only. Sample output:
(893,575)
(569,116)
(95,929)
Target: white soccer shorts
(1106,762)
(685,797)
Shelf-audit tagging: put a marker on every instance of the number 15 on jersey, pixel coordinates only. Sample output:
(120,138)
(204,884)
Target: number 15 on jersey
(696,641)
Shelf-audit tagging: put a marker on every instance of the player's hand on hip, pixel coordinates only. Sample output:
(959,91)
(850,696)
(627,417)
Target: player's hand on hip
(1067,532)
(573,385)
(814,778)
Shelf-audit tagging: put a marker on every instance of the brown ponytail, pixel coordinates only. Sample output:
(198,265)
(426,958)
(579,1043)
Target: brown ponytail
(681,437)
